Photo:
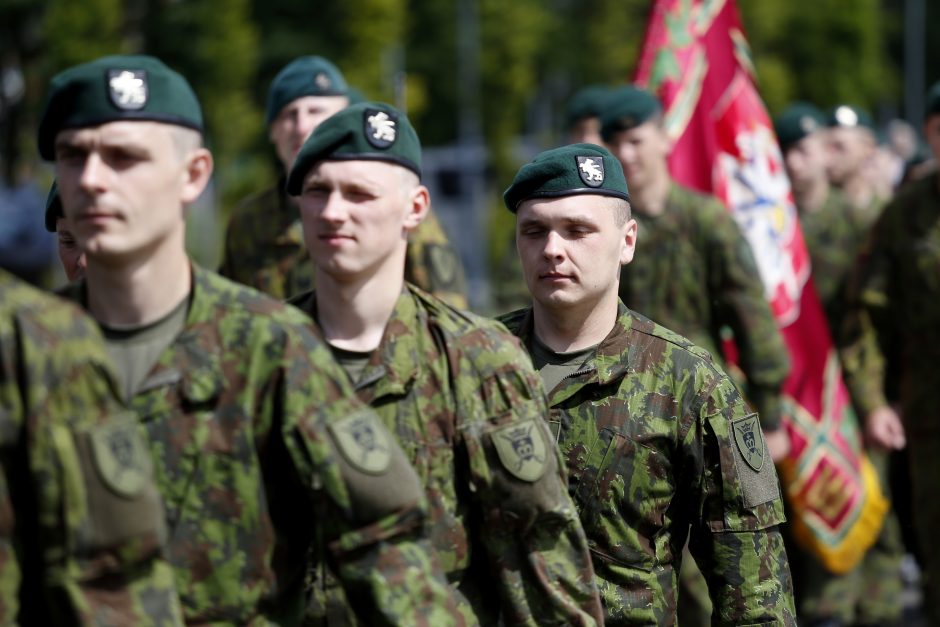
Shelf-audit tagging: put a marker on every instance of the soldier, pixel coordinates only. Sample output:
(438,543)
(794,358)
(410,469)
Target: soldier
(70,255)
(81,522)
(259,445)
(697,276)
(582,115)
(895,302)
(660,445)
(454,389)
(852,146)
(264,245)
(834,232)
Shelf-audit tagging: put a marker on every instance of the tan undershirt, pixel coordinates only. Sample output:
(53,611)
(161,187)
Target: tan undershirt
(353,362)
(554,367)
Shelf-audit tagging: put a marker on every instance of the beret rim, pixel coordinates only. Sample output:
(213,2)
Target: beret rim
(577,191)
(293,184)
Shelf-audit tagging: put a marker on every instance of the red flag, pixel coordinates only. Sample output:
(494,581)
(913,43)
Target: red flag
(696,59)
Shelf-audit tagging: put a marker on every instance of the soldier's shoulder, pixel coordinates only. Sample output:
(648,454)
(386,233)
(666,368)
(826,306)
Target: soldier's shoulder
(513,320)
(56,319)
(665,344)
(254,207)
(485,342)
(230,300)
(913,193)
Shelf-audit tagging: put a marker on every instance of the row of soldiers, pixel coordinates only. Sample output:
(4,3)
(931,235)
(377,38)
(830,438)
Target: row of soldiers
(238,402)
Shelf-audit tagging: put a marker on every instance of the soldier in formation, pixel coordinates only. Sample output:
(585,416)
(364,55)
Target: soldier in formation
(660,445)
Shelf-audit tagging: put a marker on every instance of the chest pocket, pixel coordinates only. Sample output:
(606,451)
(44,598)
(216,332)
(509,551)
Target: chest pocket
(623,488)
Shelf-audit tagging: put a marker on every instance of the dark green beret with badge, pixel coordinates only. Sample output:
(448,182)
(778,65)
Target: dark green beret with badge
(796,122)
(849,116)
(587,102)
(933,101)
(109,89)
(627,107)
(53,208)
(368,131)
(306,76)
(567,171)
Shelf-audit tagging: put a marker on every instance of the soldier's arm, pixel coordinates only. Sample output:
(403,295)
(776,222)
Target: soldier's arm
(735,537)
(434,265)
(531,530)
(740,303)
(370,501)
(100,521)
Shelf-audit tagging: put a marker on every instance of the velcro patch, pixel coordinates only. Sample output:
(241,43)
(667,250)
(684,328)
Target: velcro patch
(121,458)
(521,449)
(364,442)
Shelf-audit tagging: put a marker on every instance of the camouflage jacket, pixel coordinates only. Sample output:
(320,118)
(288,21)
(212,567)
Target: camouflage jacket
(462,399)
(834,235)
(694,272)
(255,437)
(661,447)
(264,249)
(81,533)
(895,300)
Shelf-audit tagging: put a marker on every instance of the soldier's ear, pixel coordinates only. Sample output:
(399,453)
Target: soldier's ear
(629,242)
(419,203)
(197,173)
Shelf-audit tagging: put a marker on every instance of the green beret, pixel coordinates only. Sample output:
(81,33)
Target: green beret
(121,87)
(933,101)
(355,95)
(370,131)
(587,102)
(566,171)
(796,122)
(848,116)
(625,108)
(306,76)
(53,207)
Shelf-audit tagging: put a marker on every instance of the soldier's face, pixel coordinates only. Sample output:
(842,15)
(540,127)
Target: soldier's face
(293,125)
(70,255)
(849,147)
(586,131)
(932,135)
(357,215)
(642,151)
(806,162)
(124,186)
(572,248)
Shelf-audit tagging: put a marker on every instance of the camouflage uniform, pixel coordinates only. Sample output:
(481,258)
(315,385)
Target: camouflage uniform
(245,411)
(641,481)
(264,248)
(897,299)
(463,401)
(694,273)
(81,529)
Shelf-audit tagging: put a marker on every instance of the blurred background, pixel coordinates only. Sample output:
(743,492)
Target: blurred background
(484,81)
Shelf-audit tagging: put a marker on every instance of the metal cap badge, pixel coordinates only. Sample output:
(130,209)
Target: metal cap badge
(128,89)
(591,171)
(380,127)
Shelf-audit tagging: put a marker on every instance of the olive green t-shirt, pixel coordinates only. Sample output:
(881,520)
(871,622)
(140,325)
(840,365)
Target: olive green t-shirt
(353,362)
(135,349)
(553,367)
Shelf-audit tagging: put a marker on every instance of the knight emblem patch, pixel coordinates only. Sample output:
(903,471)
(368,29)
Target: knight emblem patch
(122,460)
(380,128)
(750,440)
(363,442)
(591,170)
(128,89)
(521,449)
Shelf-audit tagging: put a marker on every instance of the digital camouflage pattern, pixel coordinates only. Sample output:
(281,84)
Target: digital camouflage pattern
(660,447)
(695,273)
(895,301)
(245,413)
(80,540)
(264,249)
(462,399)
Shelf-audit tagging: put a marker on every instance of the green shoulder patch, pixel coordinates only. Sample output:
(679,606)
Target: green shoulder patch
(442,265)
(121,458)
(750,440)
(521,449)
(364,442)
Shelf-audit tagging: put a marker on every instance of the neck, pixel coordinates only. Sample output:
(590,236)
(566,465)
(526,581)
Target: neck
(650,199)
(135,294)
(858,190)
(571,328)
(353,313)
(812,197)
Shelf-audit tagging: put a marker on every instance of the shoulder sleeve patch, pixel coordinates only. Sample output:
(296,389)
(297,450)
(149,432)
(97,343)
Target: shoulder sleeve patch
(755,472)
(749,440)
(522,450)
(363,442)
(121,459)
